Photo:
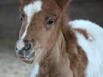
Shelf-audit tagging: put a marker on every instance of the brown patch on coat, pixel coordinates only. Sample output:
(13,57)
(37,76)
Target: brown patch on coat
(78,58)
(78,63)
(84,32)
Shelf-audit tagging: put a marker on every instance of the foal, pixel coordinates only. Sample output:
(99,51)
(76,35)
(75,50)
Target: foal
(58,48)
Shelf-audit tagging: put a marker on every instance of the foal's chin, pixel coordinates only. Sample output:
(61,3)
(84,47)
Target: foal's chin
(27,58)
(28,61)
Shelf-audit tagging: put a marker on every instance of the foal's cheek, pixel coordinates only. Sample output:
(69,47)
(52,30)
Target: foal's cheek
(49,40)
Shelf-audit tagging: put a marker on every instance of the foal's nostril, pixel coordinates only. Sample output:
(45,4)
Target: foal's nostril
(27,45)
(21,53)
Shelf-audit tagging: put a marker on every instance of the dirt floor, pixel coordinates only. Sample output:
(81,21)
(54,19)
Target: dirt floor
(10,65)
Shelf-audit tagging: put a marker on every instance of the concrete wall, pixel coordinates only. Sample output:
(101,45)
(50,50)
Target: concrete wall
(9,18)
(87,9)
(9,15)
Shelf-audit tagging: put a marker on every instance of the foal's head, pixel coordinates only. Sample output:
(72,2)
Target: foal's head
(42,22)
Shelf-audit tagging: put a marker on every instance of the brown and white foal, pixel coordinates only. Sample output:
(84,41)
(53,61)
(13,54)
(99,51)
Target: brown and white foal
(57,47)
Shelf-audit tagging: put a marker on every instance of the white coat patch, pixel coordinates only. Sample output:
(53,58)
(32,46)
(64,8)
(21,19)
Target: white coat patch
(93,49)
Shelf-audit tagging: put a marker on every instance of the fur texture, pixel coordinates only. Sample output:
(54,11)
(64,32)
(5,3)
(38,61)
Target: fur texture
(62,49)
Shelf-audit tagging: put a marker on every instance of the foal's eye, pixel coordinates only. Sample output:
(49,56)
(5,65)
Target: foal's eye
(22,16)
(50,21)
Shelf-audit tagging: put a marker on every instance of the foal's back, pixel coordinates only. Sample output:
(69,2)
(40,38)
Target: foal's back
(92,45)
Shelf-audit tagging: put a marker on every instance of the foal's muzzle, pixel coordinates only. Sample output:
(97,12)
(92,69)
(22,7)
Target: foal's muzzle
(25,53)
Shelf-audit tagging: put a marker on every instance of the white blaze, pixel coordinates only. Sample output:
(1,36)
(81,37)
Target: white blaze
(29,11)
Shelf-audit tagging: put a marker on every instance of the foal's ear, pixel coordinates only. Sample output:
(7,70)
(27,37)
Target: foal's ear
(63,3)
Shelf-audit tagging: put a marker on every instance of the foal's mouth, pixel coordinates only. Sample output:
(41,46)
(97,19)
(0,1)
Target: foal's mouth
(27,58)
(26,55)
(27,52)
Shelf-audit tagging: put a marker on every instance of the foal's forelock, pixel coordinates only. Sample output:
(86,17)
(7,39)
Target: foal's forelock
(29,11)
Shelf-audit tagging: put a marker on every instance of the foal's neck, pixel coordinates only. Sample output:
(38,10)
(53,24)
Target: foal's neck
(56,63)
(66,59)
